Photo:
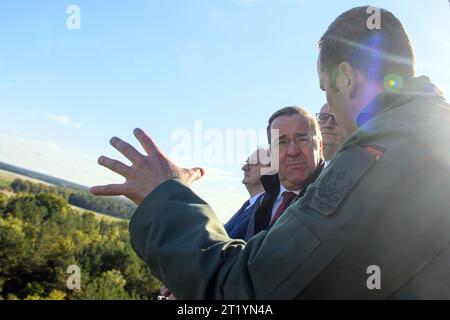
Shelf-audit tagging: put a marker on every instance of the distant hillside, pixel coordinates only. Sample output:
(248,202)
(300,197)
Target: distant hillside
(27,181)
(6,177)
(42,177)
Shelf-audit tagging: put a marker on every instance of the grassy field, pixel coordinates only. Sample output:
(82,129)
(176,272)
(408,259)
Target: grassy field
(4,183)
(97,215)
(7,177)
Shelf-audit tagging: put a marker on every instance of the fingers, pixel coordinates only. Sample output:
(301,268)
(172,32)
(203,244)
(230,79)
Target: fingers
(194,174)
(114,165)
(198,172)
(145,141)
(164,292)
(126,149)
(109,190)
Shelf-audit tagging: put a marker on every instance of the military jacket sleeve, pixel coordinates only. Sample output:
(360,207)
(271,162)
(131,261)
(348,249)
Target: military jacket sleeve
(178,235)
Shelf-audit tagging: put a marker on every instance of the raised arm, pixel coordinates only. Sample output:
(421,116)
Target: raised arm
(183,242)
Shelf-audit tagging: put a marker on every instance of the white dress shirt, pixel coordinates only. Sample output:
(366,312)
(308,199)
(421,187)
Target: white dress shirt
(253,199)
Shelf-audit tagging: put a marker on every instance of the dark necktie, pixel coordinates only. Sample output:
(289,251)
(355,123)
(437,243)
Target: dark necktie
(288,197)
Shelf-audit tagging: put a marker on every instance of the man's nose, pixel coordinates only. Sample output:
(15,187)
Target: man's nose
(293,150)
(330,123)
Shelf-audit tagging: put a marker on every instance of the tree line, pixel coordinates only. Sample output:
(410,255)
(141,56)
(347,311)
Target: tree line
(115,207)
(41,236)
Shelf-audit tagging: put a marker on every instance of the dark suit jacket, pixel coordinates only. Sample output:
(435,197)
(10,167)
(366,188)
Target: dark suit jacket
(238,224)
(260,220)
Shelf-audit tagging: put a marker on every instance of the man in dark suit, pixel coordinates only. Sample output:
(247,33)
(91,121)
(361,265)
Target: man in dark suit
(238,224)
(300,161)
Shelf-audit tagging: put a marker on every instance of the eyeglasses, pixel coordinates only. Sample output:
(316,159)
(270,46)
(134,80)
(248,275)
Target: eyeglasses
(300,141)
(324,116)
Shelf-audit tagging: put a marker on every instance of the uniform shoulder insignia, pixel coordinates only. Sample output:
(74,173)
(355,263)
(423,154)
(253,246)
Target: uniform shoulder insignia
(376,151)
(340,177)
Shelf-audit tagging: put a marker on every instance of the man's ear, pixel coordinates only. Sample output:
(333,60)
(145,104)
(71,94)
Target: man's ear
(347,79)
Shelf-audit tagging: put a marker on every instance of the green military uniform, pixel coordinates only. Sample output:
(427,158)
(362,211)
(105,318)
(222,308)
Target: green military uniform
(383,200)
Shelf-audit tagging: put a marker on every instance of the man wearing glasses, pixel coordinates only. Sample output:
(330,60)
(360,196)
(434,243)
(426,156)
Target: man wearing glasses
(294,137)
(374,225)
(332,135)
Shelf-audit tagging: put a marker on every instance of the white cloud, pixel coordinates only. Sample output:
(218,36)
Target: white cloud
(65,120)
(5,85)
(60,119)
(52,159)
(97,44)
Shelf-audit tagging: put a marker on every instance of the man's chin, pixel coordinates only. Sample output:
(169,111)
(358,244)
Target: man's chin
(296,184)
(297,176)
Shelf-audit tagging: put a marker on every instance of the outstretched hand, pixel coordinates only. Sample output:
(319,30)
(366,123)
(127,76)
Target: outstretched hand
(146,173)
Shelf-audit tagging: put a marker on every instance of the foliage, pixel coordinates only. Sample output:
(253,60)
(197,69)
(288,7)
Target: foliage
(3,201)
(115,207)
(41,236)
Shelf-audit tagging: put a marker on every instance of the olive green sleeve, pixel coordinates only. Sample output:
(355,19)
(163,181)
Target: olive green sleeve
(177,234)
(180,238)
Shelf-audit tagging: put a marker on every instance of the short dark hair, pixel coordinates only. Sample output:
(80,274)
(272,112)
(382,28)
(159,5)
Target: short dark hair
(289,111)
(377,52)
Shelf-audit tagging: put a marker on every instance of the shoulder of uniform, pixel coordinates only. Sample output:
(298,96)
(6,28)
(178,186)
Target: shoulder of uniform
(339,178)
(376,151)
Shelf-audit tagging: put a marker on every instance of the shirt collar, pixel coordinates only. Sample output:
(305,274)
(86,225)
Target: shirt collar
(283,190)
(253,199)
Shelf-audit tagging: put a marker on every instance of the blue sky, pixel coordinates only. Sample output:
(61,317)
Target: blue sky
(164,64)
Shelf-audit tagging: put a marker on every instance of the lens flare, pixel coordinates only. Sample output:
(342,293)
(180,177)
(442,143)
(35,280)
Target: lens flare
(393,82)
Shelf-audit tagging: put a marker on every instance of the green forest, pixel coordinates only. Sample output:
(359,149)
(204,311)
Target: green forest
(113,206)
(41,235)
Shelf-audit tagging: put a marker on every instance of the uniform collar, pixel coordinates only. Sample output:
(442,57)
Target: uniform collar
(420,87)
(283,190)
